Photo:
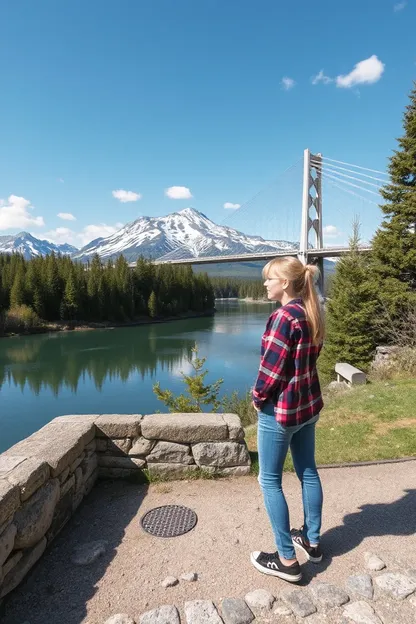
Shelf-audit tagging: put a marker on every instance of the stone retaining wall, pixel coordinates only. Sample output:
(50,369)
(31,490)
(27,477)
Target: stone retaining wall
(44,478)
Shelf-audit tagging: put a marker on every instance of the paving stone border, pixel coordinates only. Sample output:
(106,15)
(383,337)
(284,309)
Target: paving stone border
(44,478)
(319,603)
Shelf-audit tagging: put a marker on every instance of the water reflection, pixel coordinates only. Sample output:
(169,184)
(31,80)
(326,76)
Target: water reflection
(58,361)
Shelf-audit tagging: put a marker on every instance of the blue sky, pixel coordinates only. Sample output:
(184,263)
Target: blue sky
(215,96)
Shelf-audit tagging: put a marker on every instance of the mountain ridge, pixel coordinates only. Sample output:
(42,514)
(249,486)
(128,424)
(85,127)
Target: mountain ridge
(31,247)
(185,234)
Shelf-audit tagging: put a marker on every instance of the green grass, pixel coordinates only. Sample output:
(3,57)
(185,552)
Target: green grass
(366,423)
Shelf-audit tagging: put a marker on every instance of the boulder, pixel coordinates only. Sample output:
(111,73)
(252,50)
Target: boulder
(170,453)
(167,614)
(141,446)
(201,612)
(235,430)
(119,447)
(34,517)
(221,454)
(9,500)
(184,428)
(27,561)
(118,425)
(7,542)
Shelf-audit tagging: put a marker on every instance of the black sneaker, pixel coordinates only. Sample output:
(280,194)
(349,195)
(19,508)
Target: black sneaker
(269,563)
(313,554)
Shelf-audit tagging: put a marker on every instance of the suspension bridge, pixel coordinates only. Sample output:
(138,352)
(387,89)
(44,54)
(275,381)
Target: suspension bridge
(286,218)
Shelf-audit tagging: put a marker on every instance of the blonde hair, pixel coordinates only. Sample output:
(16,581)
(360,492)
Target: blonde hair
(302,279)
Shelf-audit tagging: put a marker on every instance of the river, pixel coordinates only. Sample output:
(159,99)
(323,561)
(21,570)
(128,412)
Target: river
(113,371)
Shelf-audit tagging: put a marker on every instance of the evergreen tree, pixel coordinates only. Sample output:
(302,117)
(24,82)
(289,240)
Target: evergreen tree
(94,289)
(152,304)
(70,307)
(394,244)
(3,297)
(350,312)
(56,287)
(198,394)
(18,293)
(53,288)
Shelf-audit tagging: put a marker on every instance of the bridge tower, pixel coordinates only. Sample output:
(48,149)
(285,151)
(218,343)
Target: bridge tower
(311,211)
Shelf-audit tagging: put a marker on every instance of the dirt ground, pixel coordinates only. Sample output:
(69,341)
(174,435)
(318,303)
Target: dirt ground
(366,508)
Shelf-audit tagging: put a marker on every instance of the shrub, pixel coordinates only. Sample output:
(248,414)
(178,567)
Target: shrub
(241,405)
(197,393)
(21,318)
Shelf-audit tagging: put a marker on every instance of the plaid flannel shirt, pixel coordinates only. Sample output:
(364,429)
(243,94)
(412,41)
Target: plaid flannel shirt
(287,374)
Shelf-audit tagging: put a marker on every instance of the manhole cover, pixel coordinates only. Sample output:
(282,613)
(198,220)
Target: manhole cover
(169,521)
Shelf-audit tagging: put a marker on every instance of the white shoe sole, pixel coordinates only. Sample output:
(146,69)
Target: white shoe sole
(305,552)
(286,577)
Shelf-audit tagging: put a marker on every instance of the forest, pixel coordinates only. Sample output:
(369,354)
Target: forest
(226,287)
(55,288)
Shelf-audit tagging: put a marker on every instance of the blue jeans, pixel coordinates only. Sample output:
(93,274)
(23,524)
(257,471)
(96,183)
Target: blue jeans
(274,441)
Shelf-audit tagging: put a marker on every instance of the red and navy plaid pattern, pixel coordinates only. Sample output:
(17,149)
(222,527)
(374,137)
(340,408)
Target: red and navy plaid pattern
(287,375)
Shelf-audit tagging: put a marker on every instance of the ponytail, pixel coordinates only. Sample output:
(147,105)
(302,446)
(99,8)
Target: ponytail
(303,280)
(312,304)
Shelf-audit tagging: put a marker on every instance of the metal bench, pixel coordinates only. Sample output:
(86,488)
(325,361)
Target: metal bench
(350,374)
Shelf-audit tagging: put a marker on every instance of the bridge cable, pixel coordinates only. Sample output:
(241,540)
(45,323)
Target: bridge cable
(334,169)
(356,173)
(252,199)
(331,167)
(352,165)
(344,175)
(362,188)
(348,190)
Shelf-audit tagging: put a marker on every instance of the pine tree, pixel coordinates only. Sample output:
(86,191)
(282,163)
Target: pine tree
(198,394)
(2,295)
(350,312)
(53,287)
(394,244)
(17,293)
(94,289)
(70,308)
(152,304)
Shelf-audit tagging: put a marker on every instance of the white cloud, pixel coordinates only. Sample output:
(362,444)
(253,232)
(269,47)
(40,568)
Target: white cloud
(399,6)
(230,206)
(368,71)
(287,83)
(66,216)
(178,192)
(331,231)
(126,196)
(15,214)
(60,235)
(321,77)
(90,232)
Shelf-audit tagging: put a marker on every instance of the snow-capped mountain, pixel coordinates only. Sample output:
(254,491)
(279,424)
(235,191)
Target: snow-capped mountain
(30,247)
(187,233)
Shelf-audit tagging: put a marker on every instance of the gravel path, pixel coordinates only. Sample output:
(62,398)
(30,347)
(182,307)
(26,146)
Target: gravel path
(368,508)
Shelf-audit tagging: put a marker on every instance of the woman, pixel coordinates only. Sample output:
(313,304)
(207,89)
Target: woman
(288,399)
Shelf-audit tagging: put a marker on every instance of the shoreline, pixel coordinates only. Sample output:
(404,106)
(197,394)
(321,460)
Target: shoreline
(247,299)
(62,326)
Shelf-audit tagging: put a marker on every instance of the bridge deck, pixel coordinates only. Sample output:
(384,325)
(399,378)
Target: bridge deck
(328,252)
